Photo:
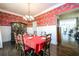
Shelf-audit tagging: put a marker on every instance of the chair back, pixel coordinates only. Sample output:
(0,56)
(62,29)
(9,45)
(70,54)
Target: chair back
(35,33)
(43,33)
(20,45)
(48,37)
(47,44)
(20,39)
(15,37)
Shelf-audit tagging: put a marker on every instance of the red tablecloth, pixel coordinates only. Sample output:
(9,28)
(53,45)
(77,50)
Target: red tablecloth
(35,42)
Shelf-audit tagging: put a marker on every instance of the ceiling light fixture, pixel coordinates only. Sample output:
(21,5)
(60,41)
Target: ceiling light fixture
(29,17)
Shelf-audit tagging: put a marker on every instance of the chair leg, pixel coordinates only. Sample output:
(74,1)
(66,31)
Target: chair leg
(31,53)
(49,51)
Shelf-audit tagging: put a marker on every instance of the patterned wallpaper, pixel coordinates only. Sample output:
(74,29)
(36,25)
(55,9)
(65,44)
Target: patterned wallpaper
(49,18)
(6,19)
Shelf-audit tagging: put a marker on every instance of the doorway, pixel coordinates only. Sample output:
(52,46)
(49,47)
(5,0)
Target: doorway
(67,31)
(66,24)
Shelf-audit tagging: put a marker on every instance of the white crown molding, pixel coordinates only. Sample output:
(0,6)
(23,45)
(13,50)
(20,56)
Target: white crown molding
(53,7)
(11,12)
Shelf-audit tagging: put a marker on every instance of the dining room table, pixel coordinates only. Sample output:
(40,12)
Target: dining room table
(35,42)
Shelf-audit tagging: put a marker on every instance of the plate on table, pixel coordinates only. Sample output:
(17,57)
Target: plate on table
(30,37)
(43,38)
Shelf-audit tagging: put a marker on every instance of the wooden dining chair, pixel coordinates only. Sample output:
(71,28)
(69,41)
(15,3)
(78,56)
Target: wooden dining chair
(46,50)
(22,48)
(43,33)
(16,40)
(19,45)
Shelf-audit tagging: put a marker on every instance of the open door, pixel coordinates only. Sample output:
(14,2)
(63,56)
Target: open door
(67,22)
(58,32)
(66,30)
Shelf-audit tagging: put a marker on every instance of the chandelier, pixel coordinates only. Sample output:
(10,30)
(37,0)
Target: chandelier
(28,16)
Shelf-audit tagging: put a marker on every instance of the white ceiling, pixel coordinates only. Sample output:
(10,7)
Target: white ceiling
(22,8)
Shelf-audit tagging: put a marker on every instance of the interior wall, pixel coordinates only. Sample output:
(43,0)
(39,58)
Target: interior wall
(1,45)
(29,30)
(34,26)
(72,14)
(5,22)
(6,19)
(6,33)
(49,30)
(49,18)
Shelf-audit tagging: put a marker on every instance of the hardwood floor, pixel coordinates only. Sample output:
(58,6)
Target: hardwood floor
(67,51)
(9,50)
